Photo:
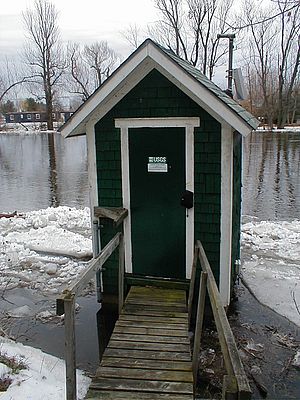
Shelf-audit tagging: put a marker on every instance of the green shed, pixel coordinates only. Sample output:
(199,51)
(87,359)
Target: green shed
(165,143)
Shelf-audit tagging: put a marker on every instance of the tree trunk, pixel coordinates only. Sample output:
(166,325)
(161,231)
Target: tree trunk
(280,113)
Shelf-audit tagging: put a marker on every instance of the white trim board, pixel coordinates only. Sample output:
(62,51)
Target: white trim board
(92,172)
(226,212)
(189,124)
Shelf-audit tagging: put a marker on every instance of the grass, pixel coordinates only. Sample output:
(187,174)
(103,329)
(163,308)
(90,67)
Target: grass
(15,364)
(5,381)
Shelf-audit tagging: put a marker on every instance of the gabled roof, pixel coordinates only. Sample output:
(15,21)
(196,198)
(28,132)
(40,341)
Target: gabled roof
(189,79)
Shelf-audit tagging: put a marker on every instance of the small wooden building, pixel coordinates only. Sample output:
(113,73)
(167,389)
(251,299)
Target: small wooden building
(165,143)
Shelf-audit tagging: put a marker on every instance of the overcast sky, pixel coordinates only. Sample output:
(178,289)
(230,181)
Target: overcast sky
(85,21)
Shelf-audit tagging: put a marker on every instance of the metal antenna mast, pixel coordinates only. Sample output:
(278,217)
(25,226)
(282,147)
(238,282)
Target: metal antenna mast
(229,36)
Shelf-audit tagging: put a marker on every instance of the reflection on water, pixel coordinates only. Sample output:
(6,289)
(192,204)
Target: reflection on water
(42,170)
(271,176)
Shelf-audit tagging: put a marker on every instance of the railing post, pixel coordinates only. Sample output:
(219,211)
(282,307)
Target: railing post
(199,323)
(192,285)
(66,304)
(70,348)
(121,273)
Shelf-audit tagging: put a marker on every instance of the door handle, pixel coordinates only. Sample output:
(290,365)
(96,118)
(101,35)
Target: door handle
(187,199)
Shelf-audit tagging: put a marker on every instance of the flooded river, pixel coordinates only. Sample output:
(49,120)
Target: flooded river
(42,170)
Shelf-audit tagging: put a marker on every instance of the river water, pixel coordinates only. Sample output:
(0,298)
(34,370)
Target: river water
(271,176)
(42,170)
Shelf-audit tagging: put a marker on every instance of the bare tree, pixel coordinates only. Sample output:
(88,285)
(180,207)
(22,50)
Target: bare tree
(289,57)
(101,58)
(190,29)
(78,77)
(273,52)
(43,51)
(260,55)
(89,66)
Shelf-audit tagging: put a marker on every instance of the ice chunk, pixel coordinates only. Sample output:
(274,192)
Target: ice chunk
(20,312)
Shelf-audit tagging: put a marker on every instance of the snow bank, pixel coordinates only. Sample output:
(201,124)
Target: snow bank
(44,379)
(33,128)
(271,264)
(43,249)
(289,128)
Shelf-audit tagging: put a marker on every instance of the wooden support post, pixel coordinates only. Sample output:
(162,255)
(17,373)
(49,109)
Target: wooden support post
(70,349)
(199,324)
(192,285)
(121,273)
(229,389)
(233,363)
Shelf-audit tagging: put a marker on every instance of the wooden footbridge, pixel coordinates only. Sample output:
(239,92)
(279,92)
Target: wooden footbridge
(149,354)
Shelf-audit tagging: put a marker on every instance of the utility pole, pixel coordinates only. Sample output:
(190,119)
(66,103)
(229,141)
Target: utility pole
(231,37)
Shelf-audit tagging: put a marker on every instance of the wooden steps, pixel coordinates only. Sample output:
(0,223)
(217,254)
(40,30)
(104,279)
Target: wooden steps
(148,355)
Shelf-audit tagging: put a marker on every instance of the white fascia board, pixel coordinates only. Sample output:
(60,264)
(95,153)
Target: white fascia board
(196,91)
(110,93)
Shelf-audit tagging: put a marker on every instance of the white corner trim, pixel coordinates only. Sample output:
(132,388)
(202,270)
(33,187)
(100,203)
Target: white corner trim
(226,212)
(92,171)
(126,197)
(189,124)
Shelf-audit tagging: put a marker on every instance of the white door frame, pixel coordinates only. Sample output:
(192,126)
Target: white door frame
(189,123)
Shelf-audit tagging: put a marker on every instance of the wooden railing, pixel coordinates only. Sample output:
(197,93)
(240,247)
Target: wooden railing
(235,383)
(66,305)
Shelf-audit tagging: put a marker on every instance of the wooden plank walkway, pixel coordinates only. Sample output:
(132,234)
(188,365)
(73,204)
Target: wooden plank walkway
(148,355)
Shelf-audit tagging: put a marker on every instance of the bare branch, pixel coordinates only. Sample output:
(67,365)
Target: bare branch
(26,79)
(133,35)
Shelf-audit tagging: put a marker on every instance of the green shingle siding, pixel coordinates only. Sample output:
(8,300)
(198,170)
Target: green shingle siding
(156,96)
(208,180)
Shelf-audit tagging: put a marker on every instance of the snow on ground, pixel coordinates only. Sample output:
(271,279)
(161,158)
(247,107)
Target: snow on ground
(44,250)
(271,265)
(28,128)
(288,128)
(44,377)
(41,252)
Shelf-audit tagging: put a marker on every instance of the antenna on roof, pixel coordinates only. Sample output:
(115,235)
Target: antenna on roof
(229,36)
